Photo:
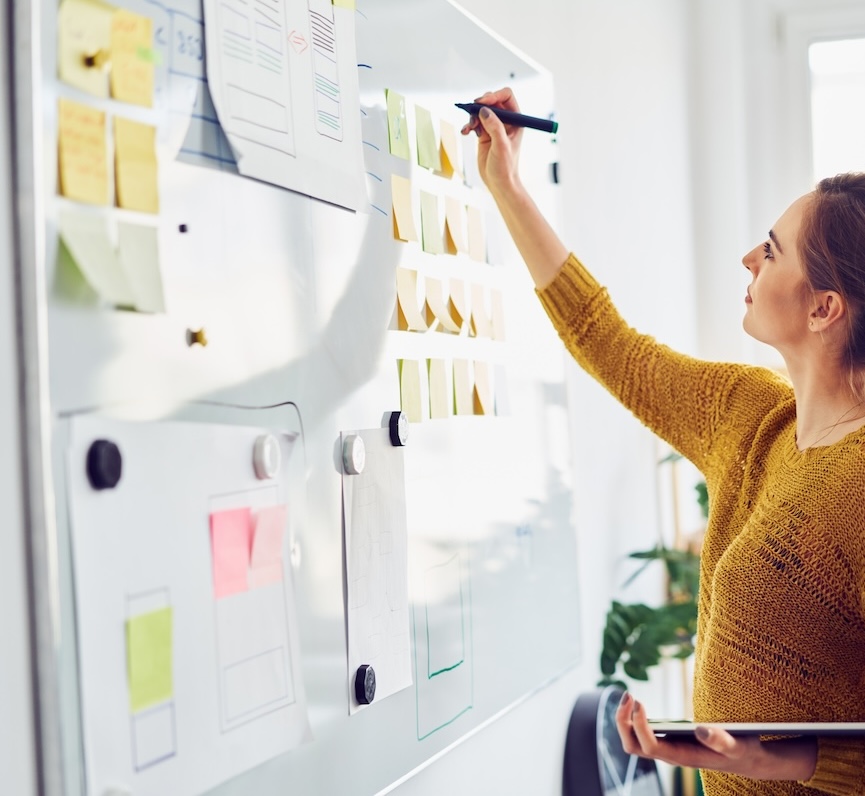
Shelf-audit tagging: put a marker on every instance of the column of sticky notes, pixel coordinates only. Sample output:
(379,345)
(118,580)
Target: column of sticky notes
(107,163)
(447,284)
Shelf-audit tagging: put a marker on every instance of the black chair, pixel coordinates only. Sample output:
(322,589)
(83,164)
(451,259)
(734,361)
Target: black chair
(595,762)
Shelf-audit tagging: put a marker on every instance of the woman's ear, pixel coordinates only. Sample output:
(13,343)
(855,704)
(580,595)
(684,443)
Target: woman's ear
(828,308)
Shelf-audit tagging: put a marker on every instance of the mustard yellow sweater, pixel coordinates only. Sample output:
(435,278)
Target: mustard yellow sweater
(781,628)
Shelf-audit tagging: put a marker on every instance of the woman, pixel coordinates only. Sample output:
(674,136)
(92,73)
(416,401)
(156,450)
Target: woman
(781,628)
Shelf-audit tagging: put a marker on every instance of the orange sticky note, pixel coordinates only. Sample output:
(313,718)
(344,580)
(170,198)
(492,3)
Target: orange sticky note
(132,58)
(135,165)
(483,392)
(403,214)
(83,153)
(230,533)
(449,150)
(455,225)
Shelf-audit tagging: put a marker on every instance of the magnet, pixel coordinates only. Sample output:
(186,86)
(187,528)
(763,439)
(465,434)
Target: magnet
(353,454)
(196,337)
(104,464)
(364,684)
(398,426)
(266,457)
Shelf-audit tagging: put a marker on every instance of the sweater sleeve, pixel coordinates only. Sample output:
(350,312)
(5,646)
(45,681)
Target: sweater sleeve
(840,766)
(679,397)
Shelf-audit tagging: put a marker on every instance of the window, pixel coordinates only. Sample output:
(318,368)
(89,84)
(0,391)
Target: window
(837,106)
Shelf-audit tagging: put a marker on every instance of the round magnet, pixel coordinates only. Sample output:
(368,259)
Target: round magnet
(364,684)
(398,426)
(104,464)
(353,454)
(266,457)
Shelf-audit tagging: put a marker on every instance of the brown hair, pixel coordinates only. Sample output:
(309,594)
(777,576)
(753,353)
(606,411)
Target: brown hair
(832,248)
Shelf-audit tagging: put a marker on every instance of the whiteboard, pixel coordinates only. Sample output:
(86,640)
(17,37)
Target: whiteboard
(299,303)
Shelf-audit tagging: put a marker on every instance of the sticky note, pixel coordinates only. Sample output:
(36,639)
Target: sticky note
(266,562)
(83,153)
(483,390)
(138,253)
(463,389)
(345,4)
(480,317)
(428,154)
(457,304)
(432,235)
(230,533)
(455,225)
(149,658)
(84,33)
(477,240)
(135,166)
(410,390)
(397,125)
(132,61)
(449,150)
(439,405)
(411,318)
(439,305)
(403,214)
(87,239)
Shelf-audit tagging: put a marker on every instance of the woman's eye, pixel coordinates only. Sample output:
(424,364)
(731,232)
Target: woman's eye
(767,251)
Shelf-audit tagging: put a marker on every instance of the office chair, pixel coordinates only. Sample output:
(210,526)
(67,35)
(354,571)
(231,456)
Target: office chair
(595,762)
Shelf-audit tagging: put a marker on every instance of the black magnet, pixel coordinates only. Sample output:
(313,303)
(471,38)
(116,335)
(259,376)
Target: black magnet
(398,426)
(364,684)
(182,228)
(104,464)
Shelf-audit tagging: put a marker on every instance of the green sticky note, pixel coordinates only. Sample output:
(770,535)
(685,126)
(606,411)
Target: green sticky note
(428,154)
(432,232)
(148,656)
(397,125)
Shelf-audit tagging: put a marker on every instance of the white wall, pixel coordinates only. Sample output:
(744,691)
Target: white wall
(620,73)
(17,755)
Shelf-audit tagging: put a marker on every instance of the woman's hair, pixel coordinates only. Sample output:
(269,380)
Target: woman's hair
(832,248)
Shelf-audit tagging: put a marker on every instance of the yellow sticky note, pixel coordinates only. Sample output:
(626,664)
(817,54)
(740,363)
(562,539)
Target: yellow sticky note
(439,305)
(345,4)
(463,390)
(411,318)
(449,150)
(84,44)
(410,389)
(135,165)
(455,225)
(83,153)
(483,392)
(149,657)
(138,252)
(457,304)
(428,154)
(403,214)
(132,61)
(431,231)
(477,240)
(480,317)
(397,125)
(439,405)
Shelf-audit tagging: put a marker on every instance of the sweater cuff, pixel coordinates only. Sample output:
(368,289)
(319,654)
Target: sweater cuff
(840,766)
(570,291)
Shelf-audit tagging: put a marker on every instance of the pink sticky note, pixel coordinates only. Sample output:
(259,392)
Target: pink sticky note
(266,564)
(230,533)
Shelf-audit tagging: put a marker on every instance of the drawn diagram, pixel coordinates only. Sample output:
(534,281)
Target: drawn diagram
(328,110)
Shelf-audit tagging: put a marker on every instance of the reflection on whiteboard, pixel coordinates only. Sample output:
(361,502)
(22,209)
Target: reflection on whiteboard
(376,550)
(283,78)
(443,644)
(188,640)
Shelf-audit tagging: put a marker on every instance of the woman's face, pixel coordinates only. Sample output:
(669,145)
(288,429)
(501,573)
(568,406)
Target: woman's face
(778,302)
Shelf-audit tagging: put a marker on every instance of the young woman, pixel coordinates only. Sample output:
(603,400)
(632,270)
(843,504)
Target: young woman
(781,628)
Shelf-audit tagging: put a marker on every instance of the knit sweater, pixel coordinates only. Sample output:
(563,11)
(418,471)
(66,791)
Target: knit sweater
(781,619)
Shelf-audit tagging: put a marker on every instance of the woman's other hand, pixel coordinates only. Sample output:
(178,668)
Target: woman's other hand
(789,759)
(498,143)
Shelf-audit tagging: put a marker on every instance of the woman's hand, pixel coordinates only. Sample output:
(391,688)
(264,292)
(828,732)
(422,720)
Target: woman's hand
(498,144)
(747,756)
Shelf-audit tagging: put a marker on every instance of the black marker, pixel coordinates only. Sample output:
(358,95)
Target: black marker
(511,117)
